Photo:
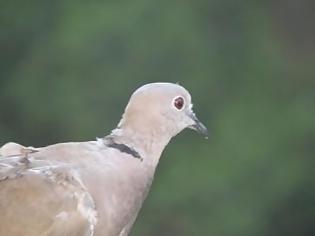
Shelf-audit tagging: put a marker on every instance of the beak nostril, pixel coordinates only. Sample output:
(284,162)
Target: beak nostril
(198,126)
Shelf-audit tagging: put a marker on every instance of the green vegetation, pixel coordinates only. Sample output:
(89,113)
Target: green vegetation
(67,70)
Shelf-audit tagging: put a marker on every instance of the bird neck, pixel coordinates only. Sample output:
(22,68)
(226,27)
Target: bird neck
(149,145)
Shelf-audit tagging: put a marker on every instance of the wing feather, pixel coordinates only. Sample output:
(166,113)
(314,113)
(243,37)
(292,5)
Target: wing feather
(43,198)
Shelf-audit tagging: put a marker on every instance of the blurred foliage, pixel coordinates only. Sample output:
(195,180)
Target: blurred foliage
(68,68)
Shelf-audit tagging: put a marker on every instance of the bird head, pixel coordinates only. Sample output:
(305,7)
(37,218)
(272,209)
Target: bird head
(161,108)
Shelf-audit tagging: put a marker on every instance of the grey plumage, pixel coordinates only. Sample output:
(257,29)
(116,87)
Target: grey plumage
(96,187)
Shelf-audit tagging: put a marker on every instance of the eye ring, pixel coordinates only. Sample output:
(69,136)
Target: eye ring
(179,103)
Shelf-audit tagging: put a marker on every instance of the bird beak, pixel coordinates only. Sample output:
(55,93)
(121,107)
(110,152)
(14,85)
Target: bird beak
(197,125)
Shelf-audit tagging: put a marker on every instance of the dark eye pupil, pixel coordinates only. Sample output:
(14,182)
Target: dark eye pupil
(179,103)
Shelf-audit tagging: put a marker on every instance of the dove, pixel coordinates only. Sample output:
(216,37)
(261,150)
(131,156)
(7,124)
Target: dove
(93,187)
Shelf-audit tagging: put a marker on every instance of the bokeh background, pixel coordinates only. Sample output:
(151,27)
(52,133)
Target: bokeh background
(68,68)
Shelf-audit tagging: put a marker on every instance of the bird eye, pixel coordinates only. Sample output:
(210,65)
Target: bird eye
(179,103)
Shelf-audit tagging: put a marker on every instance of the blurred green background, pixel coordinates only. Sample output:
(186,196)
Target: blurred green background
(68,68)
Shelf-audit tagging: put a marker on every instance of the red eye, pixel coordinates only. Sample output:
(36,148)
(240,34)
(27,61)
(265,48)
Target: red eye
(179,103)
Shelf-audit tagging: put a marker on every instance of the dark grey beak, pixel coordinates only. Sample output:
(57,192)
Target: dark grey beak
(198,126)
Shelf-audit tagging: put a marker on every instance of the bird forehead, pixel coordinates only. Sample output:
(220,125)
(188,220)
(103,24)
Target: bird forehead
(161,91)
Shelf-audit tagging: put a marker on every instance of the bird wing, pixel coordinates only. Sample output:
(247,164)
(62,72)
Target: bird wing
(40,197)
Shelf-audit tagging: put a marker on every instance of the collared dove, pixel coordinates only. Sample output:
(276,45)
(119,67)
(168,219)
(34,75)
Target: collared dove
(96,187)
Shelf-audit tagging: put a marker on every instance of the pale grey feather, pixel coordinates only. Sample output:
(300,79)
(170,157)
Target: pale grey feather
(96,187)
